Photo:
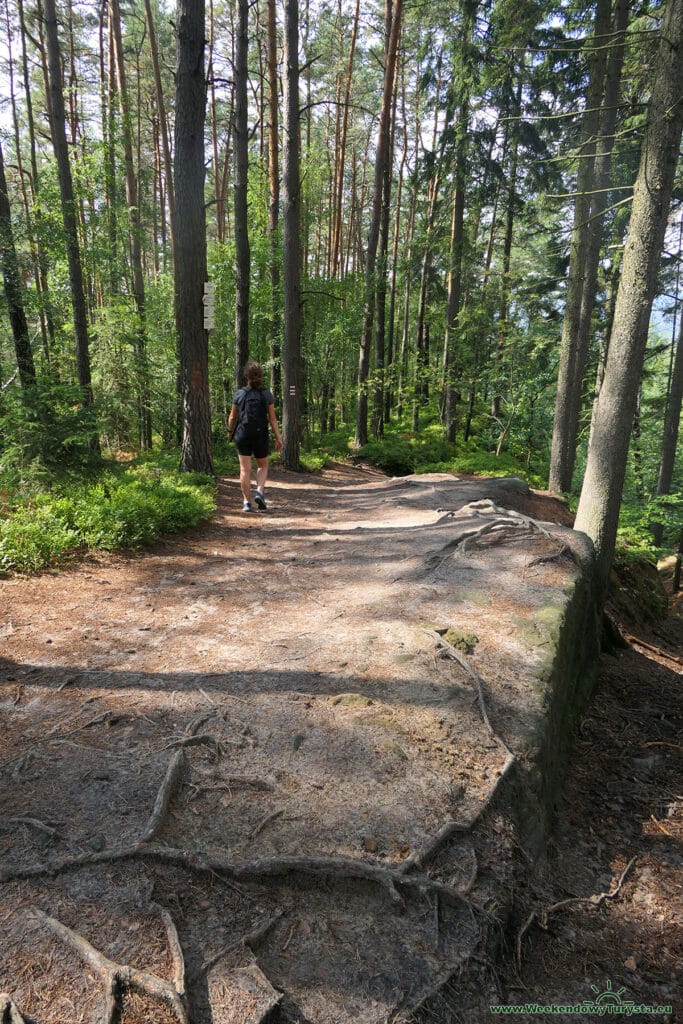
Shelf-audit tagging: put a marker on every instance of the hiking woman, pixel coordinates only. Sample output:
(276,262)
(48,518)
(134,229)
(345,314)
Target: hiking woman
(253,408)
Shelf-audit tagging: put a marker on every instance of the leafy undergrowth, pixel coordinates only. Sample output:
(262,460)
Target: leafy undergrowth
(121,506)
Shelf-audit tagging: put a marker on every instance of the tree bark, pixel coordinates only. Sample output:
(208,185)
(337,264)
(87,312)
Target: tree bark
(383,135)
(573,352)
(291,242)
(672,420)
(12,283)
(274,208)
(598,512)
(61,149)
(135,236)
(340,161)
(163,120)
(190,261)
(241,225)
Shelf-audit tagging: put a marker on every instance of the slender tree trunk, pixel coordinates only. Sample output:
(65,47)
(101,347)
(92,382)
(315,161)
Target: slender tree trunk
(274,208)
(383,136)
(190,262)
(598,512)
(61,149)
(46,311)
(573,353)
(671,425)
(12,283)
(135,236)
(341,152)
(163,120)
(241,225)
(292,377)
(382,264)
(504,309)
(457,245)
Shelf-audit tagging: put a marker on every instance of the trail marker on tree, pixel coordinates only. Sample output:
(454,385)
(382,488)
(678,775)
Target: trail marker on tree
(209,300)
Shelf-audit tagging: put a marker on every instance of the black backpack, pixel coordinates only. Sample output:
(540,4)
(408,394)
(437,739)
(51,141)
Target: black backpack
(253,418)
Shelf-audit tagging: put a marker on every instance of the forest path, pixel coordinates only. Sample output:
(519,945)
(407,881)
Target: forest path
(273,685)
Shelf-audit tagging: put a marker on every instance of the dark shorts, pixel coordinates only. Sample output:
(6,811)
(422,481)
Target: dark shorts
(256,446)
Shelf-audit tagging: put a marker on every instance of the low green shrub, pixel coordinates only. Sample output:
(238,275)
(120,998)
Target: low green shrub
(33,538)
(125,508)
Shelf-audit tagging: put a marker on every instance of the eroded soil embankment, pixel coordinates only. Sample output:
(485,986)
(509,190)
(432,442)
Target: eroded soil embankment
(303,748)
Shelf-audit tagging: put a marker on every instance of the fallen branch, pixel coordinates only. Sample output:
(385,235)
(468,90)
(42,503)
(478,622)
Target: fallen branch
(172,780)
(661,828)
(9,1014)
(593,901)
(637,642)
(116,978)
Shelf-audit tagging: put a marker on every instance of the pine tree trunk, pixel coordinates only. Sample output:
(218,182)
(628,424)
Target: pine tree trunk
(163,120)
(615,407)
(190,256)
(573,351)
(340,161)
(383,134)
(274,208)
(241,225)
(135,237)
(61,149)
(672,420)
(12,283)
(292,377)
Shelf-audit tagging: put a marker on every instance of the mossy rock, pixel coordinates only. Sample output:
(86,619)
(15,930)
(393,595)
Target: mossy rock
(462,640)
(352,700)
(389,723)
(390,747)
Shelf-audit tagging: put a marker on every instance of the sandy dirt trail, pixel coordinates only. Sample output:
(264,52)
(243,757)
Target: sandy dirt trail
(276,687)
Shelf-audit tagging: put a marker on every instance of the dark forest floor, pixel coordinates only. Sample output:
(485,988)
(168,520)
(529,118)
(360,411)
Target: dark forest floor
(621,810)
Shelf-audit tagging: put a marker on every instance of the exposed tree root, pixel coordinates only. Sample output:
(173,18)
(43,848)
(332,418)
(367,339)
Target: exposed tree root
(542,916)
(202,739)
(175,773)
(331,867)
(452,652)
(176,952)
(9,1014)
(116,978)
(248,941)
(451,828)
(40,826)
(508,523)
(455,827)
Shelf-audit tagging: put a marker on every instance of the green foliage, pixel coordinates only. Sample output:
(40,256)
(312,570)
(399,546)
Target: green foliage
(636,520)
(123,507)
(32,538)
(46,429)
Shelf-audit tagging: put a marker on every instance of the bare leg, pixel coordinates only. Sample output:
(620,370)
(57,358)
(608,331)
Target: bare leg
(245,475)
(261,474)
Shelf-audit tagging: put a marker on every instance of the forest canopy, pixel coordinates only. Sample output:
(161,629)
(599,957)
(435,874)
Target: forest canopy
(414,214)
